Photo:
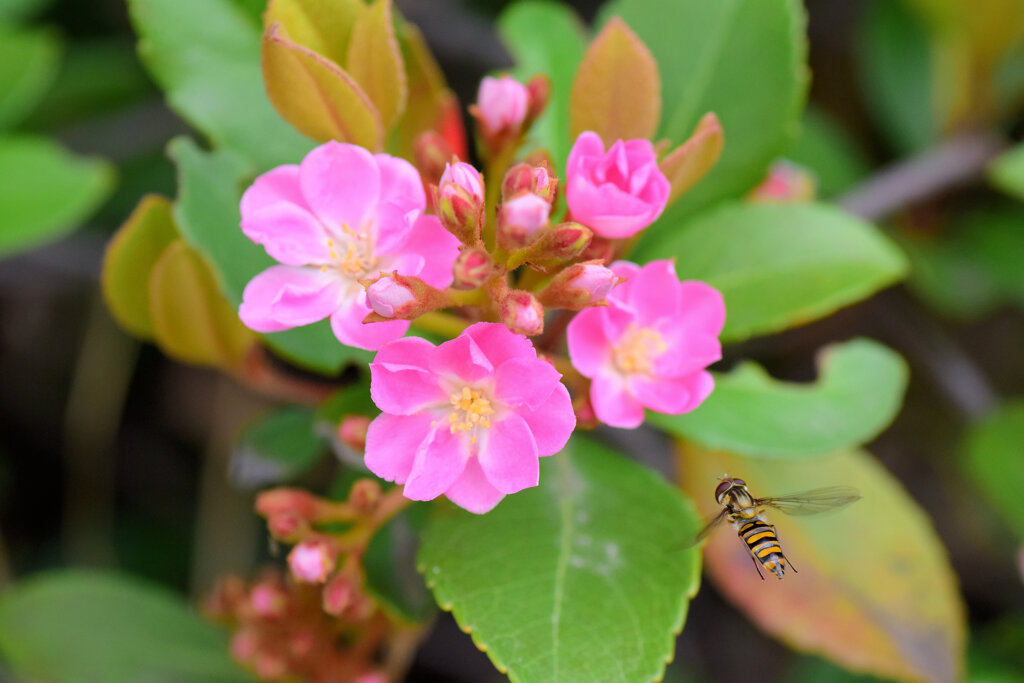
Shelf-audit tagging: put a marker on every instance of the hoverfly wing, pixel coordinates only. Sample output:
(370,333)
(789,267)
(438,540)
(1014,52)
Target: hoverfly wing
(812,502)
(709,527)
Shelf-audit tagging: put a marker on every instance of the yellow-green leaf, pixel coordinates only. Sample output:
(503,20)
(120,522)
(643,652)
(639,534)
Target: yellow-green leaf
(375,61)
(617,91)
(315,95)
(690,161)
(192,322)
(130,257)
(323,26)
(875,591)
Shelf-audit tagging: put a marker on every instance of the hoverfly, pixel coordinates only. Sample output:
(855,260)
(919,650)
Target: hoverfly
(747,516)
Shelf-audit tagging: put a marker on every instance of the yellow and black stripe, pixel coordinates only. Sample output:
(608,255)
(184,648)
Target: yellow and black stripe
(764,546)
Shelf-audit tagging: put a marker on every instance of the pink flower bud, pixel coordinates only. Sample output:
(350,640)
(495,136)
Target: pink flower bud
(502,104)
(520,218)
(786,182)
(596,280)
(472,267)
(311,561)
(386,295)
(338,594)
(518,180)
(522,313)
(462,175)
(286,500)
(352,431)
(244,645)
(365,495)
(539,88)
(267,600)
(579,286)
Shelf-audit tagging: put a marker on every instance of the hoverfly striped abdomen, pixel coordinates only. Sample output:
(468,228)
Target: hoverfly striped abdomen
(764,545)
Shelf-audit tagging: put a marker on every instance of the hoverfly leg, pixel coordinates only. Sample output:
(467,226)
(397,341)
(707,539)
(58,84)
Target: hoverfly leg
(757,567)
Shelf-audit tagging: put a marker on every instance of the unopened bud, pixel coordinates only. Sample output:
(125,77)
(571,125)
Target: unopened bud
(554,246)
(365,495)
(501,105)
(472,267)
(301,643)
(539,88)
(337,594)
(518,180)
(522,313)
(244,645)
(282,500)
(579,286)
(432,154)
(270,666)
(267,600)
(352,431)
(459,199)
(786,182)
(284,526)
(600,249)
(401,297)
(520,218)
(312,561)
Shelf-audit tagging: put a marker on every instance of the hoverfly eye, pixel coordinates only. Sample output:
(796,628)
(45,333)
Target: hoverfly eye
(738,482)
(722,488)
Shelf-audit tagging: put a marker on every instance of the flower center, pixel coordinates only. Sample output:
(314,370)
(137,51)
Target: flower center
(354,256)
(470,409)
(637,350)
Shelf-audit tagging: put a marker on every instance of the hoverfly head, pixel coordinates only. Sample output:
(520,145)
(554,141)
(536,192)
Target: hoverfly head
(728,484)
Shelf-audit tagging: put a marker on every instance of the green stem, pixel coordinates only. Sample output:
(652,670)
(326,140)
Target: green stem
(444,324)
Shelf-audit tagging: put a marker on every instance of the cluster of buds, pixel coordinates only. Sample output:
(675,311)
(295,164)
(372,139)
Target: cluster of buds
(281,633)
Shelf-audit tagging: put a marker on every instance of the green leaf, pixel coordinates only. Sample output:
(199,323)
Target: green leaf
(896,72)
(579,579)
(546,38)
(744,60)
(205,54)
(277,447)
(780,265)
(875,591)
(21,9)
(28,64)
(1007,172)
(858,393)
(828,151)
(92,627)
(131,255)
(389,562)
(994,457)
(208,215)
(36,170)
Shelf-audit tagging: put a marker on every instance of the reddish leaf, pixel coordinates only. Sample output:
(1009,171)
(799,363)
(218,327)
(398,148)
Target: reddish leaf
(874,592)
(690,161)
(617,91)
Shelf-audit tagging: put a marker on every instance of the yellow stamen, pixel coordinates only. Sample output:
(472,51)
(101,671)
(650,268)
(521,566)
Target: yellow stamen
(638,349)
(470,410)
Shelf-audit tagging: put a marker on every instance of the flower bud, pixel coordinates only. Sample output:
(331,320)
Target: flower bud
(337,594)
(244,645)
(579,286)
(554,246)
(352,431)
(284,526)
(311,561)
(786,182)
(401,297)
(501,105)
(520,218)
(518,180)
(365,495)
(267,600)
(462,175)
(431,153)
(472,267)
(385,296)
(539,88)
(459,199)
(522,313)
(281,500)
(270,666)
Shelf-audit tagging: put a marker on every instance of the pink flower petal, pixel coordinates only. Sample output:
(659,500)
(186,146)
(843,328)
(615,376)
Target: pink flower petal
(439,462)
(392,228)
(460,360)
(401,381)
(701,307)
(613,404)
(348,326)
(392,442)
(282,297)
(672,396)
(289,233)
(341,183)
(437,247)
(472,491)
(589,348)
(552,422)
(655,292)
(588,144)
(525,383)
(508,455)
(400,183)
(686,352)
(616,318)
(499,343)
(624,269)
(277,185)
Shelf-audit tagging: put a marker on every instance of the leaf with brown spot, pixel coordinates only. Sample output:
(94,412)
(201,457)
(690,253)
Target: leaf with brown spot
(323,26)
(375,62)
(192,321)
(315,95)
(617,91)
(690,161)
(130,257)
(875,591)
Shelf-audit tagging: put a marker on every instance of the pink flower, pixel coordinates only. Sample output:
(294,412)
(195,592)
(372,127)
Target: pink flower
(618,193)
(467,419)
(650,345)
(502,103)
(340,216)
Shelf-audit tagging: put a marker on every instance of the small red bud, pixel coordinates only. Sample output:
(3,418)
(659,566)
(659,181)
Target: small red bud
(312,561)
(267,600)
(365,495)
(244,645)
(283,500)
(539,88)
(352,431)
(472,267)
(522,313)
(520,218)
(518,180)
(337,594)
